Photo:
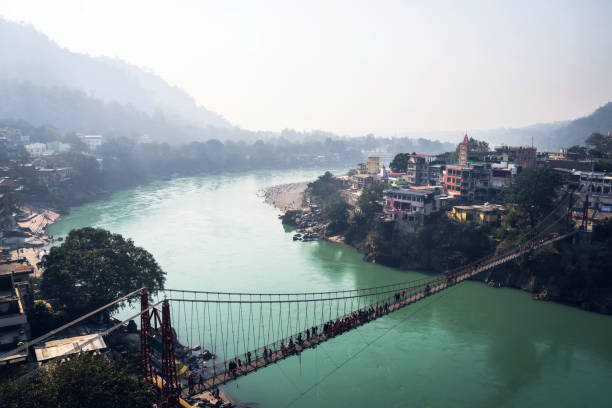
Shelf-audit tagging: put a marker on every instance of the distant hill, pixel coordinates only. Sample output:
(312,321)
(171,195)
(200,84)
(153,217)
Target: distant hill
(545,136)
(70,110)
(576,131)
(28,55)
(554,136)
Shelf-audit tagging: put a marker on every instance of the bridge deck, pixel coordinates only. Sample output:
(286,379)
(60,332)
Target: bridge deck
(436,284)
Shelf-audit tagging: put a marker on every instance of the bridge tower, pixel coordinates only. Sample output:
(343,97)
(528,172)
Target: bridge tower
(585,214)
(145,333)
(169,377)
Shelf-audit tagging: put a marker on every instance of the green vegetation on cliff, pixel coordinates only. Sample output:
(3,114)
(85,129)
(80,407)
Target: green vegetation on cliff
(84,381)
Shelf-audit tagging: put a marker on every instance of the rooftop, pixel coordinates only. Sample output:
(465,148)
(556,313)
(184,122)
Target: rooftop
(481,207)
(67,346)
(17,267)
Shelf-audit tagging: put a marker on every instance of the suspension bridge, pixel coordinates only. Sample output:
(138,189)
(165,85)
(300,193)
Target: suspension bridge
(193,341)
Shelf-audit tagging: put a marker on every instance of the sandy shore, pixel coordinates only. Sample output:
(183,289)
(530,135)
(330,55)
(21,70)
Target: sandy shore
(286,196)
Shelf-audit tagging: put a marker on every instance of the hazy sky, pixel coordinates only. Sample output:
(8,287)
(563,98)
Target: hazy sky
(355,67)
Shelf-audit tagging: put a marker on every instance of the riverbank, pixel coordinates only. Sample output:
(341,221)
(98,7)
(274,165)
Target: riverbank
(581,266)
(286,197)
(29,236)
(234,243)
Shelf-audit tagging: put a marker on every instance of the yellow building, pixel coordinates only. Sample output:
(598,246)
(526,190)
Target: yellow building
(373,165)
(487,214)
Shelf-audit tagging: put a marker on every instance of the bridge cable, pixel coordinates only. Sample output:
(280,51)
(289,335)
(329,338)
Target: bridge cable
(361,350)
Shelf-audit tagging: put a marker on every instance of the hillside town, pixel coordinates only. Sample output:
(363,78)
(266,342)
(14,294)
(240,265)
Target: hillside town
(470,188)
(29,179)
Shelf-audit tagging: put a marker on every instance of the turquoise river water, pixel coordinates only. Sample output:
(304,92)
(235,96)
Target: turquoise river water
(470,346)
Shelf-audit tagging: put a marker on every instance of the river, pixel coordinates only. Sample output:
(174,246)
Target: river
(470,346)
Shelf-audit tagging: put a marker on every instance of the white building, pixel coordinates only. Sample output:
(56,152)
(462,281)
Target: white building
(92,141)
(36,149)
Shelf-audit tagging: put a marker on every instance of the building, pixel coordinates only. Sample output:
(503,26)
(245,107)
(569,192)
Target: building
(522,156)
(487,214)
(69,346)
(52,178)
(359,181)
(502,174)
(417,171)
(13,320)
(362,168)
(436,174)
(373,165)
(404,203)
(36,149)
(570,164)
(469,153)
(92,141)
(468,182)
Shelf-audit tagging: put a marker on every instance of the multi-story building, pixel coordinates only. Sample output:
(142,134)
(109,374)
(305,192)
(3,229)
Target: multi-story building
(14,298)
(404,203)
(36,149)
(52,178)
(373,165)
(92,141)
(523,156)
(417,171)
(469,182)
(502,174)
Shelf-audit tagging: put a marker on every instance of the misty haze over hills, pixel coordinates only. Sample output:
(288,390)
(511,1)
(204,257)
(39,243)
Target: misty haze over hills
(43,83)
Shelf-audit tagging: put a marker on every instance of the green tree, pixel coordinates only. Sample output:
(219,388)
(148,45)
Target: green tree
(324,187)
(534,191)
(400,162)
(84,381)
(93,267)
(336,211)
(369,199)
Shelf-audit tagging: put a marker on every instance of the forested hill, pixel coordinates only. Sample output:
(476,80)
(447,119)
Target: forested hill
(576,131)
(71,110)
(28,55)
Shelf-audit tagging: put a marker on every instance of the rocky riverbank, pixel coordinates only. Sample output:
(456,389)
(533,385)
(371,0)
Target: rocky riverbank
(299,212)
(579,276)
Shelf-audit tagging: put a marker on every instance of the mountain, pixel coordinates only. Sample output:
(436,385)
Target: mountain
(545,136)
(28,55)
(576,131)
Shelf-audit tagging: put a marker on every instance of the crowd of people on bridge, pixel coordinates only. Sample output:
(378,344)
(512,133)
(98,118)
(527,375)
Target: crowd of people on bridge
(313,336)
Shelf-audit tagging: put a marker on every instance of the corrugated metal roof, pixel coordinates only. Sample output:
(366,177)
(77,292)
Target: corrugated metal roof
(67,346)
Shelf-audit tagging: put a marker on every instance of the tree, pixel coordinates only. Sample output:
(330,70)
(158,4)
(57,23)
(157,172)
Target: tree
(93,267)
(324,187)
(534,192)
(400,162)
(84,381)
(368,201)
(478,144)
(599,142)
(336,211)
